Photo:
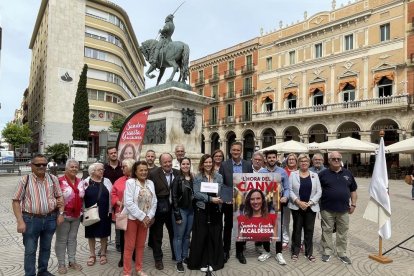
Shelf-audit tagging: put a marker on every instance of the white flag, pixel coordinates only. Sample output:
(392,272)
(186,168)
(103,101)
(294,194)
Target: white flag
(379,207)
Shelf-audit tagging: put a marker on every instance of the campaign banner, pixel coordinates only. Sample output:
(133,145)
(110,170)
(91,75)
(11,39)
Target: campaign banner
(256,206)
(131,135)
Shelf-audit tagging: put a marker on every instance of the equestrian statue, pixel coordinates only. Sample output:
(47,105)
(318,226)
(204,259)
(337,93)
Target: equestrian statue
(166,53)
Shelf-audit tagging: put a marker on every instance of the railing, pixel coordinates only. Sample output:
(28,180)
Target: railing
(247,91)
(214,78)
(229,73)
(229,95)
(199,81)
(229,119)
(213,121)
(215,97)
(246,118)
(248,68)
(344,107)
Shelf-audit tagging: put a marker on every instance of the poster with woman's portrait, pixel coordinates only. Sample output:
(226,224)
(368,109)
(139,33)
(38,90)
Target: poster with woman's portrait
(256,206)
(132,133)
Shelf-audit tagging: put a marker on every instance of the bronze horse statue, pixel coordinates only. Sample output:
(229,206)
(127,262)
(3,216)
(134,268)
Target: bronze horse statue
(175,54)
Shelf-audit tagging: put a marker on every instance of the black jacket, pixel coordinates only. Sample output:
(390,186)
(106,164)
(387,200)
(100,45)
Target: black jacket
(182,195)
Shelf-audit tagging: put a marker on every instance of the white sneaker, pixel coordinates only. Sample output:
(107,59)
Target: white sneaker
(264,256)
(280,259)
(204,269)
(259,249)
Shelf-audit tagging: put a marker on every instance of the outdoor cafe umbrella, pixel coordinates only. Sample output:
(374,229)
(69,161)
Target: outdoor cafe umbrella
(404,146)
(289,146)
(348,144)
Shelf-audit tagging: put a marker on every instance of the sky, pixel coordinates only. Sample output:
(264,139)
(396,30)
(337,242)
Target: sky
(207,26)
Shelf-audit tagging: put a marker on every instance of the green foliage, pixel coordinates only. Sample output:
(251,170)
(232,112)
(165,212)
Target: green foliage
(80,122)
(17,134)
(116,124)
(58,151)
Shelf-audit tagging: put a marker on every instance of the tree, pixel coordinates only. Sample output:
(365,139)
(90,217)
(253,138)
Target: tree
(80,121)
(17,134)
(58,151)
(116,124)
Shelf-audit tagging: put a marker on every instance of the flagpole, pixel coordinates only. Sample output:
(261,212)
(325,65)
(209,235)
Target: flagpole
(380,258)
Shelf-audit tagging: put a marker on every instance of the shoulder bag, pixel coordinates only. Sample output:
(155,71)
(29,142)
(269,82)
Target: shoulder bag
(91,214)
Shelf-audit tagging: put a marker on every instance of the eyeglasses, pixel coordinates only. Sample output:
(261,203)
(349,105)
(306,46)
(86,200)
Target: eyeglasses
(39,164)
(336,159)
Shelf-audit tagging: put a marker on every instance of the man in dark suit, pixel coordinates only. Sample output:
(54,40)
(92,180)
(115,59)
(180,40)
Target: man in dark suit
(162,177)
(233,165)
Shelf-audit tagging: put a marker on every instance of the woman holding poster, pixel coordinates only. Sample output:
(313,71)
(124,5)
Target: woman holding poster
(256,224)
(206,249)
(305,192)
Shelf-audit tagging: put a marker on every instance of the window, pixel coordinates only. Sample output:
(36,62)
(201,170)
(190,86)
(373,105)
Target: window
(385,32)
(269,63)
(214,92)
(317,97)
(267,105)
(213,115)
(385,87)
(291,101)
(292,57)
(349,42)
(247,86)
(318,50)
(249,61)
(215,71)
(229,113)
(200,74)
(247,111)
(230,89)
(231,65)
(349,93)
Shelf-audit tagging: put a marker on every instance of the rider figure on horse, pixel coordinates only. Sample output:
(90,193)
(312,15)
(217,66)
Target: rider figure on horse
(165,37)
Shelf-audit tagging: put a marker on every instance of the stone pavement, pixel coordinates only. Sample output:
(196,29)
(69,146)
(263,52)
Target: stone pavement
(363,240)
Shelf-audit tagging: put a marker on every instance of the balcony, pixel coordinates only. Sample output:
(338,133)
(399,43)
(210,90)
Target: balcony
(230,95)
(248,68)
(229,119)
(215,97)
(213,121)
(199,81)
(247,91)
(246,118)
(230,73)
(214,78)
(383,103)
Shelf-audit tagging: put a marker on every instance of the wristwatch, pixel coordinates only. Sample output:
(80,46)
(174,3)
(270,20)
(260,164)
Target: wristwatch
(61,213)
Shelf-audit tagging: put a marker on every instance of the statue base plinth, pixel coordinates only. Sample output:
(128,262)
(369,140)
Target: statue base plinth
(167,101)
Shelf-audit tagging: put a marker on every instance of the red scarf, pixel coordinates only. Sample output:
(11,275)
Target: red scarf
(77,201)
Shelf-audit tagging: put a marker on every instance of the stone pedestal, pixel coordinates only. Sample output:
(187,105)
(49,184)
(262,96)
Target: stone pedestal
(167,101)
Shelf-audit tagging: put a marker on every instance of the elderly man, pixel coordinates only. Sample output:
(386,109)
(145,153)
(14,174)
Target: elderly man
(179,154)
(337,202)
(163,178)
(35,204)
(257,161)
(317,162)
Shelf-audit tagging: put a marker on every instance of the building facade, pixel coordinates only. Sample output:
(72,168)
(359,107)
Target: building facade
(67,35)
(230,77)
(344,72)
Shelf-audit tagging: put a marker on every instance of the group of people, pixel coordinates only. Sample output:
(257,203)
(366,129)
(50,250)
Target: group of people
(199,221)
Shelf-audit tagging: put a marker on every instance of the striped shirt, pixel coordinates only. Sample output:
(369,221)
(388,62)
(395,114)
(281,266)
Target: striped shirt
(38,196)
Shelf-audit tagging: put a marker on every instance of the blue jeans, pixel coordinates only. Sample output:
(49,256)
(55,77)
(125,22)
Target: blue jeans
(36,228)
(182,234)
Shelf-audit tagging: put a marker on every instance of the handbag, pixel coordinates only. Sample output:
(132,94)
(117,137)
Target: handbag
(91,214)
(408,179)
(163,206)
(121,221)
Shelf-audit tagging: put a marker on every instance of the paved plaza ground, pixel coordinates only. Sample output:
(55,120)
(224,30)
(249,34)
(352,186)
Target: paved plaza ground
(363,240)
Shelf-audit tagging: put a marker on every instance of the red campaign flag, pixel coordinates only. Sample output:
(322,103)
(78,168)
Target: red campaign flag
(132,134)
